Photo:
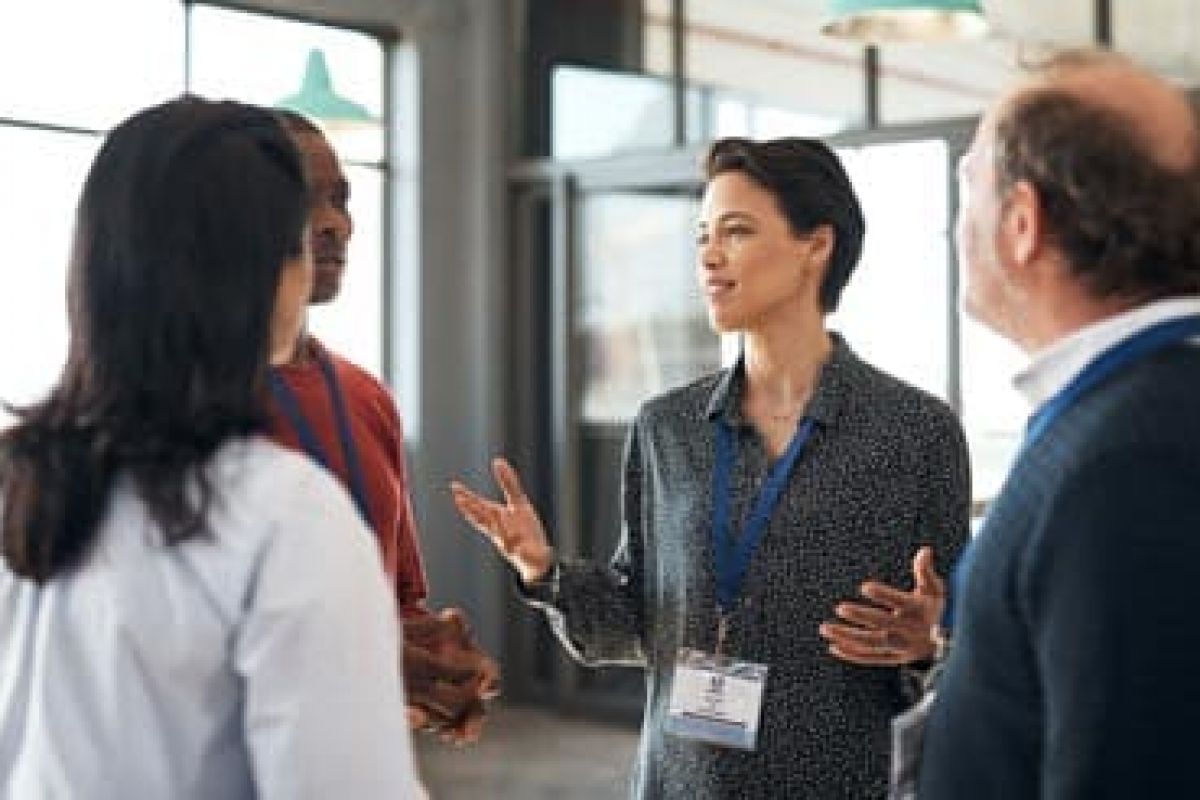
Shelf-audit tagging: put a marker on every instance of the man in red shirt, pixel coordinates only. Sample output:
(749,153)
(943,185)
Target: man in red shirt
(346,420)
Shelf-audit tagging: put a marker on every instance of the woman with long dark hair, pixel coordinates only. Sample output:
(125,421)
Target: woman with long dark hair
(187,610)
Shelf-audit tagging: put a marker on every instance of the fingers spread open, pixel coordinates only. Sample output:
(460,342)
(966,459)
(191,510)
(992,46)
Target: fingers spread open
(851,635)
(509,482)
(484,515)
(891,598)
(868,657)
(865,615)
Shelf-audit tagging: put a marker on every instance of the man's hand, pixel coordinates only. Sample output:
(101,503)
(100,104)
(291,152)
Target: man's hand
(897,627)
(447,677)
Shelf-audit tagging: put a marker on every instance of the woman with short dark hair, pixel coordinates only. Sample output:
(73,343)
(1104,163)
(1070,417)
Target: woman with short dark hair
(186,610)
(755,499)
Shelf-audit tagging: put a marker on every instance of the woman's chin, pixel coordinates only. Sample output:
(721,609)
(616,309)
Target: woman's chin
(724,321)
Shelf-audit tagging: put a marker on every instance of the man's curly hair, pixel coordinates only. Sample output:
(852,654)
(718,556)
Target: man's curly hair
(1126,225)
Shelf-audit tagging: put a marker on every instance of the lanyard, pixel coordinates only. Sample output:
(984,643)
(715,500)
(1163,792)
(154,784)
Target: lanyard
(732,558)
(290,405)
(1141,345)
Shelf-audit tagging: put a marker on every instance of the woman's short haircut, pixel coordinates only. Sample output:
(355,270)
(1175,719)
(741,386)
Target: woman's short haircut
(811,188)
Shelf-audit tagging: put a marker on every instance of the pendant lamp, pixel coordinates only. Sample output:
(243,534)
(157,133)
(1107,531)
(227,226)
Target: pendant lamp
(888,21)
(318,100)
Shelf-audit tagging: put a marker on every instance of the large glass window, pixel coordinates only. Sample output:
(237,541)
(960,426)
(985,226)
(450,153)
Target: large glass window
(639,315)
(894,310)
(757,68)
(43,174)
(67,81)
(584,127)
(640,328)
(993,412)
(262,59)
(88,65)
(86,74)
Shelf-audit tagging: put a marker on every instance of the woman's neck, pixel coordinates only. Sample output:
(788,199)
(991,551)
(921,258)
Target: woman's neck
(288,342)
(782,365)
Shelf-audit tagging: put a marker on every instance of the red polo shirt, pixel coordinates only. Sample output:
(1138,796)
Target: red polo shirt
(375,424)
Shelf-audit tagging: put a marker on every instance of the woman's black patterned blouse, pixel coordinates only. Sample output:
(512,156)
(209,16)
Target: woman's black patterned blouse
(885,472)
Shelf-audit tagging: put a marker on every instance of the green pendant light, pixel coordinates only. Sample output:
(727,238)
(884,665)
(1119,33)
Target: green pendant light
(884,21)
(318,100)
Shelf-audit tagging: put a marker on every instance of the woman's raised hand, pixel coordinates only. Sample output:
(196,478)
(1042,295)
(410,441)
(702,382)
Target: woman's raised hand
(512,526)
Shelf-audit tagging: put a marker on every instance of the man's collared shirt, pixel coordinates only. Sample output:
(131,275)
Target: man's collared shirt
(1051,369)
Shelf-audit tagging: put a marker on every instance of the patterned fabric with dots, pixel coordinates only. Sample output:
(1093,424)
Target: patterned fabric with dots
(885,472)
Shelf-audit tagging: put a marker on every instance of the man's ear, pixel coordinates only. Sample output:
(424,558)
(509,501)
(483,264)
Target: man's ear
(1022,224)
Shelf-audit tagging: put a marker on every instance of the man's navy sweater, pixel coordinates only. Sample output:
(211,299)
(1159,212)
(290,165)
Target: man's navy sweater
(1075,671)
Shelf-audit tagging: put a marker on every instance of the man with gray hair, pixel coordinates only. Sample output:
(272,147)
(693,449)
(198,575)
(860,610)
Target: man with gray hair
(1073,672)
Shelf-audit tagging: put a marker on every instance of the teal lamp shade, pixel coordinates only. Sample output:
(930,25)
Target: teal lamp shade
(318,100)
(884,21)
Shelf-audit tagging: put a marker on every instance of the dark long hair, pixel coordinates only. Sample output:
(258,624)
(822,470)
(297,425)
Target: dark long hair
(811,188)
(187,216)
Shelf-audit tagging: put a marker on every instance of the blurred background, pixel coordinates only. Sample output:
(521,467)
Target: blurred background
(525,182)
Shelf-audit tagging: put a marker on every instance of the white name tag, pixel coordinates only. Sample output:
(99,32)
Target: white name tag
(716,699)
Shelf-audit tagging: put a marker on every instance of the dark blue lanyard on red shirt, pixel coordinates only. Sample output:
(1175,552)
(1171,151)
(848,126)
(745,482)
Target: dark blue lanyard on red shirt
(1140,345)
(289,403)
(732,558)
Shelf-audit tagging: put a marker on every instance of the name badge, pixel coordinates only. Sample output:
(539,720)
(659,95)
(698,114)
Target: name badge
(715,699)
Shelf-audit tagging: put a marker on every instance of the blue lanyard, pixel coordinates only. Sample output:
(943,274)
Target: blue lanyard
(1136,347)
(290,405)
(732,558)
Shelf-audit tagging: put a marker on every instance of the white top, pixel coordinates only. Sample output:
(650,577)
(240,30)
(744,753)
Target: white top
(1052,368)
(262,662)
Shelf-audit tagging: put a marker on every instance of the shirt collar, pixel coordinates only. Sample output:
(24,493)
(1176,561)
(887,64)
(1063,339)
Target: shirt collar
(834,383)
(1053,367)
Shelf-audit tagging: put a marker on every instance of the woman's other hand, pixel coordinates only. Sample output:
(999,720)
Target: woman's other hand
(897,627)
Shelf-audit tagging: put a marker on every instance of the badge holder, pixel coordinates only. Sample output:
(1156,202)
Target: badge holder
(716,699)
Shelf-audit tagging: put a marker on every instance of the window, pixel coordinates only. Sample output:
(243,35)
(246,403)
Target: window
(228,60)
(69,82)
(88,65)
(639,314)
(993,412)
(43,174)
(758,68)
(64,84)
(894,310)
(583,128)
